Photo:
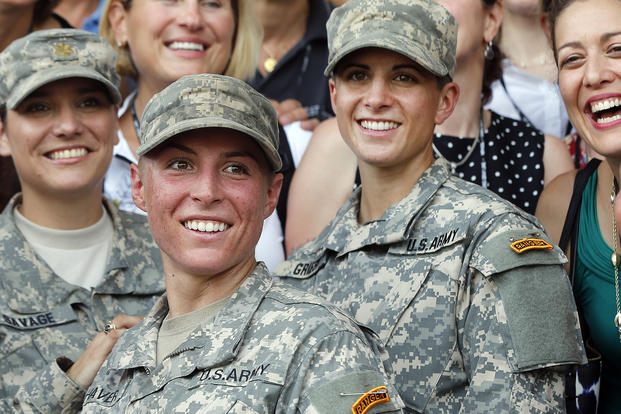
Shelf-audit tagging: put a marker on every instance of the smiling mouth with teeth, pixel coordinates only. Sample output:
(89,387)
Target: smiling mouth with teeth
(378,125)
(68,153)
(606,111)
(205,226)
(186,46)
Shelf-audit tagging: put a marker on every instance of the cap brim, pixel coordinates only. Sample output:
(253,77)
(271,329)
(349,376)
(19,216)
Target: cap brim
(192,124)
(417,52)
(41,78)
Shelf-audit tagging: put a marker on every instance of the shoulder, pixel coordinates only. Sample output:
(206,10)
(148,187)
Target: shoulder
(496,228)
(554,202)
(317,314)
(134,226)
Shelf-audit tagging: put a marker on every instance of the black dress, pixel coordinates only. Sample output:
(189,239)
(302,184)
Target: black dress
(512,154)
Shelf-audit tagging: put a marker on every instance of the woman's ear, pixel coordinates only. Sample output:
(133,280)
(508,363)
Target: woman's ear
(5,147)
(448,99)
(493,20)
(117,17)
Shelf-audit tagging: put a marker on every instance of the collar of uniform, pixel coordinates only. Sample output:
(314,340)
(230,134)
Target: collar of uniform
(28,283)
(133,267)
(210,345)
(346,235)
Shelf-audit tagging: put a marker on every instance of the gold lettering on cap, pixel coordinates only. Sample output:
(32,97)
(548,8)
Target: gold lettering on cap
(63,49)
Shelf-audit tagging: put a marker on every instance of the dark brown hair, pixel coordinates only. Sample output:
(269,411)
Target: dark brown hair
(493,67)
(43,10)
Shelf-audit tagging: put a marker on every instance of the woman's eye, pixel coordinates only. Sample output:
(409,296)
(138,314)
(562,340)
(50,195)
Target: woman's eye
(90,102)
(615,49)
(357,76)
(403,77)
(36,107)
(236,169)
(180,165)
(210,3)
(570,60)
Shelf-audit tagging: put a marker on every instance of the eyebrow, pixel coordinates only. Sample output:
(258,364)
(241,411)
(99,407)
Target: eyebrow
(183,148)
(396,67)
(42,93)
(602,38)
(230,154)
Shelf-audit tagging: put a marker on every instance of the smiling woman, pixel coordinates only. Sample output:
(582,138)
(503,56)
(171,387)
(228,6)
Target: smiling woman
(589,76)
(161,41)
(63,246)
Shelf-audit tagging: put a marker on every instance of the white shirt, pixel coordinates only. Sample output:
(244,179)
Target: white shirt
(537,98)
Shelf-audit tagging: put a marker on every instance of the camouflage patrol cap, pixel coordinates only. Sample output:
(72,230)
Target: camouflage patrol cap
(422,30)
(210,101)
(45,56)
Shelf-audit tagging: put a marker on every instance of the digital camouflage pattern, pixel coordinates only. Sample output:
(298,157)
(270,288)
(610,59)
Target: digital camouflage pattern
(209,100)
(470,325)
(44,317)
(422,30)
(270,349)
(45,56)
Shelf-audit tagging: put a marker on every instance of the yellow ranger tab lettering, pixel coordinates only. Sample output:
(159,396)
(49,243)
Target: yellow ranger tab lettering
(523,245)
(369,399)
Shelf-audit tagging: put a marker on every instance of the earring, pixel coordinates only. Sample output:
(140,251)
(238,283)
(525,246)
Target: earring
(489,51)
(119,44)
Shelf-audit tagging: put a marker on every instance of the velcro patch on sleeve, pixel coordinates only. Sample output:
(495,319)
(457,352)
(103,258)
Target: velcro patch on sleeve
(524,245)
(373,397)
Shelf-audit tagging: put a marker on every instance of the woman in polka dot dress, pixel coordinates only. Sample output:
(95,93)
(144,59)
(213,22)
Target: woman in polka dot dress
(509,157)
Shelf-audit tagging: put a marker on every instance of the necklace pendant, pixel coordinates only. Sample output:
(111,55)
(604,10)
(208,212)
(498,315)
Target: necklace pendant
(270,64)
(618,320)
(615,259)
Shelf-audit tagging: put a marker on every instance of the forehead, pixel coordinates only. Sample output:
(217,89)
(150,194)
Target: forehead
(68,86)
(373,54)
(376,57)
(221,142)
(587,22)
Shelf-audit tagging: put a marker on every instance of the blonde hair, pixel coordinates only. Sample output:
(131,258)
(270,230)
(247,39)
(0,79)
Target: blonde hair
(246,41)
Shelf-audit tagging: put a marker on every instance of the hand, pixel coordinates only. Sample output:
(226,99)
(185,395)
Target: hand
(291,110)
(83,371)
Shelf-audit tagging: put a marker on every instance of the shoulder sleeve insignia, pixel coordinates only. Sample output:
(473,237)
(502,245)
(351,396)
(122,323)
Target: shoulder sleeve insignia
(524,245)
(369,399)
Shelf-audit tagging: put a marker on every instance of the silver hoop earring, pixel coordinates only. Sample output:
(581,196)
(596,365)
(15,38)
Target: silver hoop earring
(489,51)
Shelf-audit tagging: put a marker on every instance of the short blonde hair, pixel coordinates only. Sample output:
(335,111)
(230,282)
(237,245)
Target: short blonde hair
(246,41)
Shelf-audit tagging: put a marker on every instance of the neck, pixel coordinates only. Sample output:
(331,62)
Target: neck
(284,25)
(15,22)
(188,292)
(281,18)
(145,91)
(62,211)
(383,187)
(465,119)
(524,42)
(76,11)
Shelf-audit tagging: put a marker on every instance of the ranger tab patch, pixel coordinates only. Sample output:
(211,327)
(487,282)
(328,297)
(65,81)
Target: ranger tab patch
(369,399)
(524,245)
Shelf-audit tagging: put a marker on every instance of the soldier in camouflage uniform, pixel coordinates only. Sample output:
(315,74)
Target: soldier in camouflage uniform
(226,338)
(465,291)
(58,97)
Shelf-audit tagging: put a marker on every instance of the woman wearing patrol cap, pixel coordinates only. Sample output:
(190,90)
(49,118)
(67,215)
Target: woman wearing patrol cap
(438,267)
(70,261)
(227,338)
